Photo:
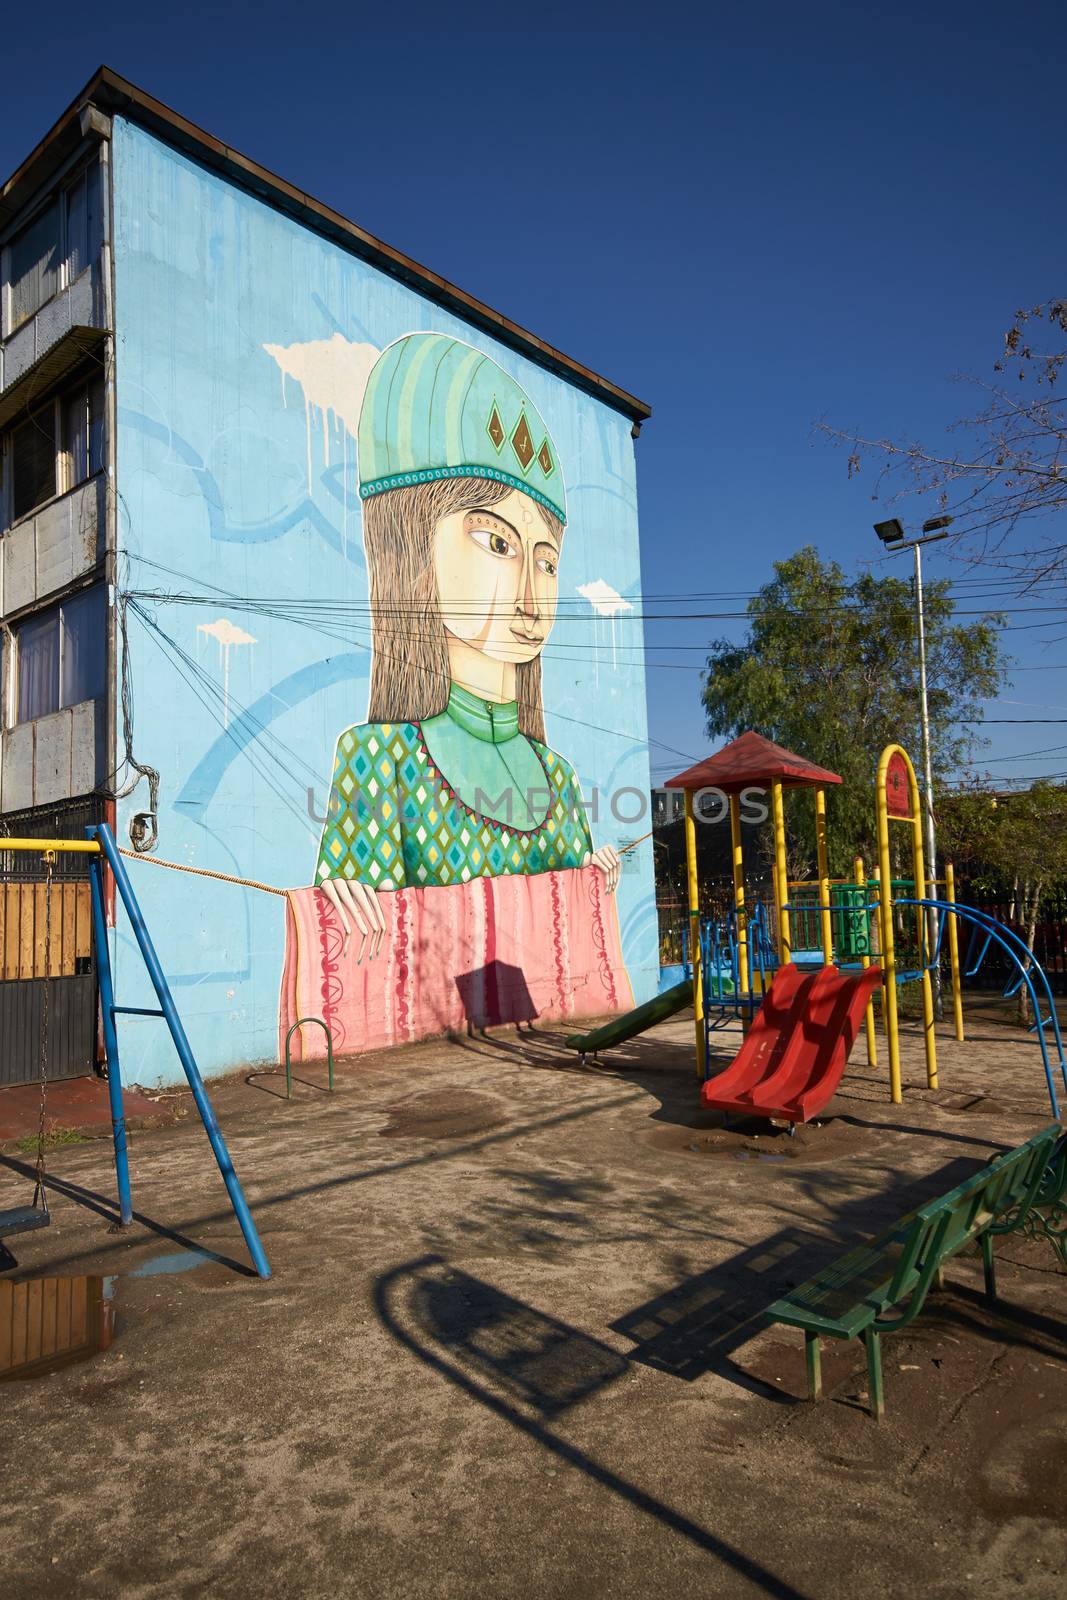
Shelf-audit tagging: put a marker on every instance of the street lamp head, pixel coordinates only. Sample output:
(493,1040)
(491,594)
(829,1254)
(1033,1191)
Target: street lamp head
(937,522)
(891,532)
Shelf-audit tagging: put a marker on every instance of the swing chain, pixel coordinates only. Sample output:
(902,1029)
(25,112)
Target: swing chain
(39,1193)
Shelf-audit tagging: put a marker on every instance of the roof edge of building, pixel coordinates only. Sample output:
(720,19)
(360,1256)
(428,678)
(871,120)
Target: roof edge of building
(110,92)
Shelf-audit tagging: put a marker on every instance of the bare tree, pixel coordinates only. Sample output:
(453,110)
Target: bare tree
(1012,467)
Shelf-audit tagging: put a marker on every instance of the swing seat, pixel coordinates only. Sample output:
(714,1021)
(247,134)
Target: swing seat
(22,1219)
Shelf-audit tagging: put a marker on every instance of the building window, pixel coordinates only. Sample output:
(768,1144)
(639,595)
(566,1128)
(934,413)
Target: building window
(83,433)
(82,232)
(55,248)
(60,656)
(33,462)
(34,268)
(57,448)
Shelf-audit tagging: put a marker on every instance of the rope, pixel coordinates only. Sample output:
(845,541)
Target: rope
(201,872)
(250,883)
(633,844)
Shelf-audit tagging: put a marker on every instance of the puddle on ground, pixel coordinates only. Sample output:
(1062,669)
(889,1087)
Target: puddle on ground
(703,1134)
(444,1114)
(708,1149)
(49,1323)
(179,1261)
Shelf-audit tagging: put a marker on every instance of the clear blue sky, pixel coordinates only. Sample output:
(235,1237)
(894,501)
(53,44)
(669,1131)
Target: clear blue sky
(751,218)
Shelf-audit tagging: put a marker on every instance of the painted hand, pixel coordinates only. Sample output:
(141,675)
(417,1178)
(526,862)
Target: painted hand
(358,909)
(608,862)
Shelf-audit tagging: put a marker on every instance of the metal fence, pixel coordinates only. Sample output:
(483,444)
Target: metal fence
(716,904)
(1050,934)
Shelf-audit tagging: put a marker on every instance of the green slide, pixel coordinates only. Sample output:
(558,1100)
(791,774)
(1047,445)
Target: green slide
(622,1028)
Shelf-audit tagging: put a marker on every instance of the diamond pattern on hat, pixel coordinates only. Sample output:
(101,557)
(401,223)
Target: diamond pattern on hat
(495,428)
(522,443)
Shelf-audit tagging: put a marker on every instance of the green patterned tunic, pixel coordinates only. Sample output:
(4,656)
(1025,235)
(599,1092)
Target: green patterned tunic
(461,795)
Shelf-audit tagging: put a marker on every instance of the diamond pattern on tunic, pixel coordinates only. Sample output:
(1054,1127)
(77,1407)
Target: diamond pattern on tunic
(389,822)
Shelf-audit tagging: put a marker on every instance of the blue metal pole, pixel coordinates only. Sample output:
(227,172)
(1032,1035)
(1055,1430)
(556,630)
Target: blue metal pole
(185,1054)
(111,1042)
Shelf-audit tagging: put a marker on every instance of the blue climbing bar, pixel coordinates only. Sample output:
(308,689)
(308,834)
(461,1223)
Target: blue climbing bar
(102,833)
(111,1042)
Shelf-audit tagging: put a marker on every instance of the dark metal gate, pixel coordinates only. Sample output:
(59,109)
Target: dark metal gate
(30,961)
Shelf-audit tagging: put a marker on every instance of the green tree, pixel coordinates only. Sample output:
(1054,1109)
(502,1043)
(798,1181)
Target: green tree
(1012,846)
(830,669)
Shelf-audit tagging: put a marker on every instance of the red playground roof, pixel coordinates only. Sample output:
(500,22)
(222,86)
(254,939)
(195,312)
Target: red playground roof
(752,761)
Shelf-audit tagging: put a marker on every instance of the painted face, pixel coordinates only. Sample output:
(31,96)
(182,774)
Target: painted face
(496,577)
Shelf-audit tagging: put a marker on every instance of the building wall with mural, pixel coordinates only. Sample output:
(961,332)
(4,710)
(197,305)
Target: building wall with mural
(380,585)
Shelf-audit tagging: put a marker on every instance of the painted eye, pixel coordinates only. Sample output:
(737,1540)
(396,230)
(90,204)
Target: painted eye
(547,565)
(497,543)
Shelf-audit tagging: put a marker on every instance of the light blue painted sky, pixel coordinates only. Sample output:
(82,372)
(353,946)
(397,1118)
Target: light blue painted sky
(753,221)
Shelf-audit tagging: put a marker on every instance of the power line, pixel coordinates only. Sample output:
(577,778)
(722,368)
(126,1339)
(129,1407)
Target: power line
(133,596)
(473,605)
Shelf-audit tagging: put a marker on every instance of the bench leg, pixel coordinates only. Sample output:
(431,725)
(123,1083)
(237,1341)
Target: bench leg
(989,1265)
(813,1362)
(873,1342)
(939,1277)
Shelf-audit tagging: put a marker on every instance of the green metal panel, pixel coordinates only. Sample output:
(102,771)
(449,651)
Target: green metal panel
(852,924)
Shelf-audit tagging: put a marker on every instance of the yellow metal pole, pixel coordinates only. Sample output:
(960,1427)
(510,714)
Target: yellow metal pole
(872,1039)
(889,950)
(694,928)
(954,949)
(85,847)
(781,872)
(825,921)
(739,893)
(924,932)
(876,929)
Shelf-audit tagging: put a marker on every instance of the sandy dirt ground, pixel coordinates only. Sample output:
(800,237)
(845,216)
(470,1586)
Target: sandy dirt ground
(513,1344)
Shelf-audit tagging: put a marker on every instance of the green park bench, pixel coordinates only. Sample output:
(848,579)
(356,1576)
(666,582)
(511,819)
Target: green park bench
(881,1286)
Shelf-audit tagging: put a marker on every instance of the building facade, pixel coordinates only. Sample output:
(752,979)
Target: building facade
(319,575)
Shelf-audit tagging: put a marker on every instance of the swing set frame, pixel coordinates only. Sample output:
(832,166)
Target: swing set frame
(100,845)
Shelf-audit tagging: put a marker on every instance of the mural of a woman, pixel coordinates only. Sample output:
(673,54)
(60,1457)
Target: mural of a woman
(450,787)
(463,523)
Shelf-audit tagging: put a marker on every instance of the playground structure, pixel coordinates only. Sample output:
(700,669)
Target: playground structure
(796,1050)
(100,846)
(750,762)
(844,935)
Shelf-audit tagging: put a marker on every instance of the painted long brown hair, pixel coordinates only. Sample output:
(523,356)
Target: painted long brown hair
(409,678)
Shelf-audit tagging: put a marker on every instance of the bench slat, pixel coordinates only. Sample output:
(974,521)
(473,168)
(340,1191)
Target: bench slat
(860,1287)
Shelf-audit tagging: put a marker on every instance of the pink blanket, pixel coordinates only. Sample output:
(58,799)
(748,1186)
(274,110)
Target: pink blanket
(508,949)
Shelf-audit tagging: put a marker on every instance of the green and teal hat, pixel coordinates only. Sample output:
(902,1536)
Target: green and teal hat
(436,408)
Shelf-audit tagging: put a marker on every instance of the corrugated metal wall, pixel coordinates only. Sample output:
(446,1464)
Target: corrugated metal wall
(71,1042)
(47,948)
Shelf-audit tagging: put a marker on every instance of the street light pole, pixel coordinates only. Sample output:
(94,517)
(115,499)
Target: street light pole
(928,777)
(892,536)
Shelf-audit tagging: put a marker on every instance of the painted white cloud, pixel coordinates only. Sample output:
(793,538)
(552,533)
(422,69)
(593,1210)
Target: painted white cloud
(333,374)
(226,635)
(605,601)
(225,631)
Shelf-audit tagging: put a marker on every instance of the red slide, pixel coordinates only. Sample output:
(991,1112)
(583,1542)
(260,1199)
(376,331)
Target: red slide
(792,1060)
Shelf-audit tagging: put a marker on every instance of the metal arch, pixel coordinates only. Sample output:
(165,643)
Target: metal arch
(1027,964)
(299,1023)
